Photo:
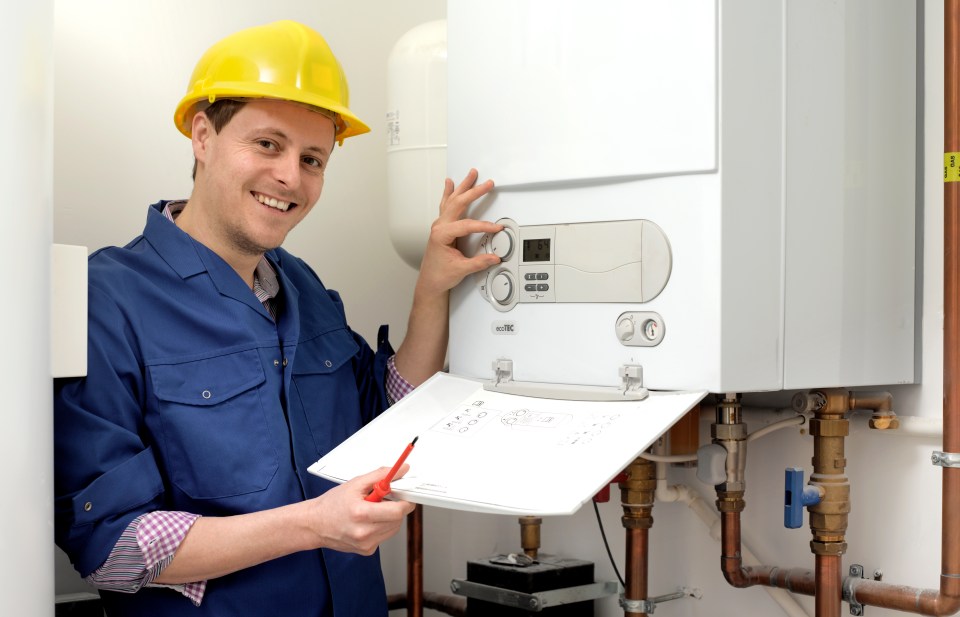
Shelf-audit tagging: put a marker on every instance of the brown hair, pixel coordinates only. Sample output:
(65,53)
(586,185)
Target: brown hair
(220,112)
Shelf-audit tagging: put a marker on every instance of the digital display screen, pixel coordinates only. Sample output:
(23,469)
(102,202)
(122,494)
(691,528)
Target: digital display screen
(536,250)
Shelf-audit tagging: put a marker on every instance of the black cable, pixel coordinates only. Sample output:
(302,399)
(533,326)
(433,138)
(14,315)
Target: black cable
(603,535)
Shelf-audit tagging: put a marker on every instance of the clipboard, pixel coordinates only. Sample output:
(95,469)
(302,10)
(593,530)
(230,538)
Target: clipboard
(486,451)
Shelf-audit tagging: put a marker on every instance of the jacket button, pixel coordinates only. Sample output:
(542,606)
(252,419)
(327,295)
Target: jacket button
(284,361)
(206,394)
(327,363)
(276,362)
(87,507)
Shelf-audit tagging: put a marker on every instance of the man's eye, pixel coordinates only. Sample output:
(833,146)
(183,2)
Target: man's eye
(267,144)
(312,161)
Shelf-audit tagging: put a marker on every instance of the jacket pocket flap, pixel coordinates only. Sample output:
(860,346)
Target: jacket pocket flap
(325,353)
(209,381)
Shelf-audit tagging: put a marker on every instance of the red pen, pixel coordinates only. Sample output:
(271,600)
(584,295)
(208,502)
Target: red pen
(382,488)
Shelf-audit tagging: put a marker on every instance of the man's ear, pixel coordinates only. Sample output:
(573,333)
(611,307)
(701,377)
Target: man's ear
(201,132)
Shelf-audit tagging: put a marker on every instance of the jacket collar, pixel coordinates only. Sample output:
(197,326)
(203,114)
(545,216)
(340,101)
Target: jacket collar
(188,258)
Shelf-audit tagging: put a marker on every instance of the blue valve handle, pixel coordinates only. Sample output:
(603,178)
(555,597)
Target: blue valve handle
(797,497)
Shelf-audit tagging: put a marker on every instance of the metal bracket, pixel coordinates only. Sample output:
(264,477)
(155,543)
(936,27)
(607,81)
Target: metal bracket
(632,378)
(502,370)
(650,604)
(535,602)
(638,606)
(945,459)
(631,389)
(849,585)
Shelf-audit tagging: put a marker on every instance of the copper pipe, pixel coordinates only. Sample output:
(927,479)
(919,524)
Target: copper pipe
(795,580)
(903,598)
(636,571)
(828,586)
(415,562)
(950,541)
(637,492)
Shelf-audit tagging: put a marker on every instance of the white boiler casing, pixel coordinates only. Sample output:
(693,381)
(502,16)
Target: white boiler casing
(773,144)
(417,135)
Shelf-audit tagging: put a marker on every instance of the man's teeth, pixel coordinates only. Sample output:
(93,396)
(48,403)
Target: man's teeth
(273,203)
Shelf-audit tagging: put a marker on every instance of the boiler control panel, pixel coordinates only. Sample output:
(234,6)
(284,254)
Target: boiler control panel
(613,261)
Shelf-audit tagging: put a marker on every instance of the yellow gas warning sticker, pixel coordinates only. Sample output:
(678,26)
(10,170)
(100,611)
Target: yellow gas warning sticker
(951,166)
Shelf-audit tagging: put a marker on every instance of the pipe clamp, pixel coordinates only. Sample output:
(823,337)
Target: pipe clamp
(637,606)
(849,589)
(945,459)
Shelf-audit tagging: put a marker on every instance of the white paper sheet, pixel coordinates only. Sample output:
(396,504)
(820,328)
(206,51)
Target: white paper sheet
(491,452)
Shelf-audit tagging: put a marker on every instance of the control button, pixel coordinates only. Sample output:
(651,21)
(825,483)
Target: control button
(501,288)
(542,276)
(501,244)
(625,329)
(530,276)
(543,287)
(529,287)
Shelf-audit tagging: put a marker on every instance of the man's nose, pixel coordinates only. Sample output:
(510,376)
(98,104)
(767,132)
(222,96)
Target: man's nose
(287,169)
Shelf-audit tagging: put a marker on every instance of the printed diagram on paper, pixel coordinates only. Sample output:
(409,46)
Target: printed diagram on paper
(567,428)
(493,452)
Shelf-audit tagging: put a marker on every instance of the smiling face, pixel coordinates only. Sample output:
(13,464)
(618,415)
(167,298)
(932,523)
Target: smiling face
(256,179)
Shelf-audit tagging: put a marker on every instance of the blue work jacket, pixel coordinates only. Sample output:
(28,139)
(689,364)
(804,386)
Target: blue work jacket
(196,400)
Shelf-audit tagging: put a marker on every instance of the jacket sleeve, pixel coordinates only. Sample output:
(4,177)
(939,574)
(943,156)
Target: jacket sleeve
(104,473)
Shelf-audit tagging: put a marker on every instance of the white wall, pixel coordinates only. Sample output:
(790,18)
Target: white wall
(121,68)
(26,465)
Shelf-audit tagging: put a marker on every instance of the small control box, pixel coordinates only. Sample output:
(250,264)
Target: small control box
(614,261)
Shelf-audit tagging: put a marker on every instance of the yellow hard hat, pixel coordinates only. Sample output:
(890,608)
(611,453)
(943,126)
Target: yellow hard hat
(284,60)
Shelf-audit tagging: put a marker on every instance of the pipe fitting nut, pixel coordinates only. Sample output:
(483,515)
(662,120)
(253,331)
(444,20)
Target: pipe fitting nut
(729,432)
(822,427)
(730,501)
(828,548)
(637,522)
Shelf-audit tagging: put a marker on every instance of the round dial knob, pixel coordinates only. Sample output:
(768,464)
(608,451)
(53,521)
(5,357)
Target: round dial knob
(501,244)
(501,288)
(625,329)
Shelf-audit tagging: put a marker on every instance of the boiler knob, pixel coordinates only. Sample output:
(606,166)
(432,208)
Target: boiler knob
(501,288)
(501,244)
(625,329)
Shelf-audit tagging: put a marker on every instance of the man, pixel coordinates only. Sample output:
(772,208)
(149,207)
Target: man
(220,368)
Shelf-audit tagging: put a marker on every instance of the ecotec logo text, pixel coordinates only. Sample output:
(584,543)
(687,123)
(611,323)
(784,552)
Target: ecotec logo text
(504,327)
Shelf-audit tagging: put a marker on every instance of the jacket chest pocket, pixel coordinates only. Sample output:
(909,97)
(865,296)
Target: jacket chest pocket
(215,440)
(325,388)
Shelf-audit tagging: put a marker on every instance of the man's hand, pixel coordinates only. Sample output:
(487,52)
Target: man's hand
(340,519)
(443,265)
(343,520)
